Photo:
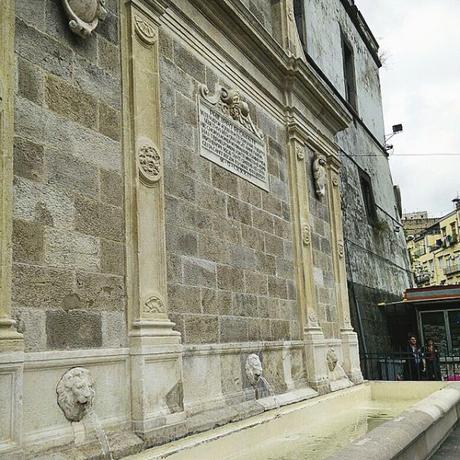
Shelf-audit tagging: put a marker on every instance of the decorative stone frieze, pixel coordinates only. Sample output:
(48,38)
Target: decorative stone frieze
(320,175)
(84,15)
(75,393)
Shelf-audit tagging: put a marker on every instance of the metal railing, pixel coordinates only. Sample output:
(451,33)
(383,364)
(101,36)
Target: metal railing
(406,366)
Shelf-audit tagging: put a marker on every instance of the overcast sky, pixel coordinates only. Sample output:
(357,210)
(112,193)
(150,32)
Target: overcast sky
(420,42)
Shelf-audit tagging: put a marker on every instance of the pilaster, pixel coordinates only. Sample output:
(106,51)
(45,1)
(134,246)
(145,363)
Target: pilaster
(155,348)
(348,336)
(11,342)
(313,337)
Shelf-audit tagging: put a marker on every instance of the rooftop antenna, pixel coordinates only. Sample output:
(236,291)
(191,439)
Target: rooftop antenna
(396,129)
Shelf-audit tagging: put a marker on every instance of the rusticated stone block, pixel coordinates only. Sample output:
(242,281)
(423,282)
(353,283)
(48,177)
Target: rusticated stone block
(71,173)
(27,241)
(71,249)
(213,249)
(244,305)
(201,329)
(108,56)
(73,329)
(274,245)
(32,323)
(184,299)
(111,188)
(40,287)
(30,81)
(187,108)
(176,77)
(233,329)
(265,263)
(224,180)
(109,121)
(70,102)
(255,283)
(28,159)
(113,329)
(280,330)
(277,287)
(238,210)
(242,257)
(253,238)
(98,219)
(178,185)
(181,241)
(229,278)
(189,63)
(209,301)
(211,199)
(112,257)
(262,220)
(166,44)
(224,302)
(199,272)
(101,292)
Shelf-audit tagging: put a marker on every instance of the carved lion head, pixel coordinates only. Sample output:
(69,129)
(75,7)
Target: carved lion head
(75,393)
(253,368)
(331,359)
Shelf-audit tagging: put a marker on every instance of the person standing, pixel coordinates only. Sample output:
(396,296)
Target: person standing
(414,366)
(431,355)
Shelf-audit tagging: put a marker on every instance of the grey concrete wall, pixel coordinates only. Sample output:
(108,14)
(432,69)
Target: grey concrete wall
(229,243)
(68,239)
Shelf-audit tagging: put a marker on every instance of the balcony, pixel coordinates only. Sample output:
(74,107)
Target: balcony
(452,269)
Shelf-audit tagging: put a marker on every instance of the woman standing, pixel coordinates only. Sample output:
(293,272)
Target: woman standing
(431,355)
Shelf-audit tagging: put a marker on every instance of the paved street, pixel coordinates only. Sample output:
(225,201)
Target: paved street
(450,449)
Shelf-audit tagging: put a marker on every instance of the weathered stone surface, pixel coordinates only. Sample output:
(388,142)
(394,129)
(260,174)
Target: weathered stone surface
(199,272)
(184,299)
(188,62)
(30,81)
(27,242)
(224,180)
(108,56)
(244,305)
(109,121)
(255,283)
(111,188)
(32,323)
(98,219)
(31,13)
(233,329)
(229,278)
(100,292)
(182,241)
(73,329)
(239,211)
(277,287)
(113,329)
(201,328)
(28,159)
(40,287)
(70,102)
(209,301)
(71,249)
(112,257)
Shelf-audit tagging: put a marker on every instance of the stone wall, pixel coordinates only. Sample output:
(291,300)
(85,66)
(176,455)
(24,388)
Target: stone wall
(68,231)
(229,243)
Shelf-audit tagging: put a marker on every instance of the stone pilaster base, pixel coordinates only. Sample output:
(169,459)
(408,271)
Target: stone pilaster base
(315,350)
(156,381)
(350,350)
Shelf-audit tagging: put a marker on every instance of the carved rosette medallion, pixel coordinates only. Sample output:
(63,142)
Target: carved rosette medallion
(299,150)
(319,175)
(154,304)
(340,249)
(145,31)
(149,161)
(306,237)
(84,15)
(229,102)
(75,393)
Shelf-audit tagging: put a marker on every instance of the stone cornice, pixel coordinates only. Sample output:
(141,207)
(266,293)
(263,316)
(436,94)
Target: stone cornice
(296,75)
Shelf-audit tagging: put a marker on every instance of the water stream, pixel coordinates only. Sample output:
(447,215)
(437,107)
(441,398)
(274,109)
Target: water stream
(268,389)
(92,421)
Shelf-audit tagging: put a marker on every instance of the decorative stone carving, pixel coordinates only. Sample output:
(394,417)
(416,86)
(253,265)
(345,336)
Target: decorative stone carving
(154,304)
(340,248)
(253,369)
(335,180)
(84,15)
(319,175)
(299,150)
(75,393)
(312,319)
(229,102)
(306,238)
(149,162)
(145,31)
(331,359)
(337,377)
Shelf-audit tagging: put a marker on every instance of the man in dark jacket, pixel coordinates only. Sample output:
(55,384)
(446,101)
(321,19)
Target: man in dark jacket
(414,366)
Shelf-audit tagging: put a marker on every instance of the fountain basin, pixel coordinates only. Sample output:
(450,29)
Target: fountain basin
(378,420)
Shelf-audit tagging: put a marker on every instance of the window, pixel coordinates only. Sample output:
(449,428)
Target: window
(349,73)
(368,197)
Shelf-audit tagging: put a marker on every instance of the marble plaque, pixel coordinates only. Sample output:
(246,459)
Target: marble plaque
(231,145)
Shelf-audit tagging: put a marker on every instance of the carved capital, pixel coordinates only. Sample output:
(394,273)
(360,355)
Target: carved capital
(84,15)
(149,161)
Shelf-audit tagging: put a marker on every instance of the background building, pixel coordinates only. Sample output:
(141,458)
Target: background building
(435,251)
(415,222)
(339,43)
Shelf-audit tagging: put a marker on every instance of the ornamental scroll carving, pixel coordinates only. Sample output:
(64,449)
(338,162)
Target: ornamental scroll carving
(228,101)
(340,249)
(306,237)
(154,304)
(149,161)
(319,175)
(84,15)
(145,31)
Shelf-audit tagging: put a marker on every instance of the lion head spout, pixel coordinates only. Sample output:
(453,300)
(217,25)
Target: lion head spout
(75,393)
(253,368)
